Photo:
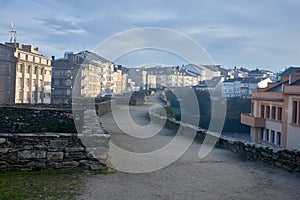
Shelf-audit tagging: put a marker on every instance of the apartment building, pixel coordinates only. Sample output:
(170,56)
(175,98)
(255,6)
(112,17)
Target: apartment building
(25,75)
(151,81)
(117,81)
(275,113)
(173,77)
(89,73)
(243,87)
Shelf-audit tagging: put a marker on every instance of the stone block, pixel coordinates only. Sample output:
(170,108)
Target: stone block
(70,164)
(58,144)
(37,165)
(4,150)
(74,149)
(75,155)
(30,154)
(55,155)
(2,140)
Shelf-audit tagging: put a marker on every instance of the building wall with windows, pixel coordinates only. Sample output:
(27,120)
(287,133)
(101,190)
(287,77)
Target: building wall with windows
(117,82)
(25,74)
(275,114)
(151,81)
(293,127)
(82,75)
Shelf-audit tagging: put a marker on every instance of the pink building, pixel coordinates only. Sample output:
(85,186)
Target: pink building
(275,113)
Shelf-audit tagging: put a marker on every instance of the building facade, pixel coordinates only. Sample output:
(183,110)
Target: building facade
(243,87)
(275,114)
(84,74)
(25,75)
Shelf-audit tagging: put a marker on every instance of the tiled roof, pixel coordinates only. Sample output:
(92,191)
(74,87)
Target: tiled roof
(290,70)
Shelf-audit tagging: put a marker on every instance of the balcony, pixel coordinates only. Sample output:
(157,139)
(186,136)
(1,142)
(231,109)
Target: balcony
(249,120)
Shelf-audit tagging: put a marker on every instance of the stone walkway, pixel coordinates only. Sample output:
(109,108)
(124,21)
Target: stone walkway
(220,175)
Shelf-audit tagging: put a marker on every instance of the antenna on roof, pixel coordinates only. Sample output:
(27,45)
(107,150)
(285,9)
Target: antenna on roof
(13,33)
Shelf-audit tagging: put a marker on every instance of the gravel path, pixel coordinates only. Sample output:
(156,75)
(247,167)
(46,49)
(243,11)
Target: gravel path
(220,175)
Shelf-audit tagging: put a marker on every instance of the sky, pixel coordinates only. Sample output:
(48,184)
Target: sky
(242,33)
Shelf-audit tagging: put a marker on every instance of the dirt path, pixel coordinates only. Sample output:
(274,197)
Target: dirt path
(221,175)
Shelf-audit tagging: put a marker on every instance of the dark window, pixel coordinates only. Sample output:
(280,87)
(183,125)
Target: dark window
(28,69)
(279,114)
(295,112)
(252,109)
(278,138)
(267,135)
(273,137)
(35,70)
(262,130)
(262,111)
(273,112)
(268,112)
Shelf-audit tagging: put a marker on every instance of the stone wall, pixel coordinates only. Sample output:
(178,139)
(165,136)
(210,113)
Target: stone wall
(286,158)
(35,120)
(45,151)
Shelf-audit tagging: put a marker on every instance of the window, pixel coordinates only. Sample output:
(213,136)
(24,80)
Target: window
(34,70)
(273,137)
(20,82)
(267,135)
(252,109)
(27,95)
(33,82)
(268,112)
(279,114)
(20,68)
(278,139)
(262,111)
(273,112)
(261,136)
(295,112)
(68,92)
(68,83)
(41,71)
(20,95)
(47,72)
(47,83)
(27,82)
(47,95)
(26,57)
(28,69)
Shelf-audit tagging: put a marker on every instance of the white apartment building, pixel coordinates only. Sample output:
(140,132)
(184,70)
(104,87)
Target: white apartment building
(243,87)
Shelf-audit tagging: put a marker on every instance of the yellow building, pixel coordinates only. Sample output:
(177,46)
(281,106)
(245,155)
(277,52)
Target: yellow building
(25,75)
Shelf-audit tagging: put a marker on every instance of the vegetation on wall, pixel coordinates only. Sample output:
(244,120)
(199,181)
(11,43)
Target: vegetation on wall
(234,108)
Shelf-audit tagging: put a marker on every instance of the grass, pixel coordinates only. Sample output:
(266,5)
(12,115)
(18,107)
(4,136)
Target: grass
(47,184)
(52,184)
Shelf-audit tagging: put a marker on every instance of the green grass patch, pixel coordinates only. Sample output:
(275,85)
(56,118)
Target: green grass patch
(52,184)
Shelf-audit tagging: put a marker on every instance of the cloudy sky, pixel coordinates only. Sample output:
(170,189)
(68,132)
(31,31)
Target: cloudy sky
(248,33)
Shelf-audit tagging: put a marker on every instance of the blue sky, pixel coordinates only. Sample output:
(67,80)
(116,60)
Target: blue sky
(248,33)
